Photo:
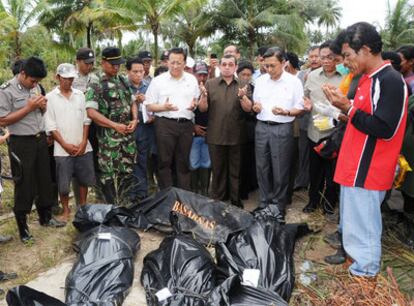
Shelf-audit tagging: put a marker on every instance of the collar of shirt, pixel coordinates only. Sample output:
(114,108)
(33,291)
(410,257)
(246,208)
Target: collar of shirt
(324,73)
(72,94)
(181,79)
(235,80)
(143,85)
(385,64)
(19,86)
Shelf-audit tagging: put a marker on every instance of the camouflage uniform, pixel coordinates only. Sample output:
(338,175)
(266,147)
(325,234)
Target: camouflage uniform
(116,153)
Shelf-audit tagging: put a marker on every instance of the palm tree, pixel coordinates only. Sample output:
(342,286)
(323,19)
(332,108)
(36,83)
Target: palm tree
(253,23)
(17,15)
(150,14)
(399,24)
(193,22)
(330,15)
(84,18)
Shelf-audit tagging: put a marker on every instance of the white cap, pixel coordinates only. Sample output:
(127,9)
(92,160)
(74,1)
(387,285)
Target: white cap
(190,62)
(66,71)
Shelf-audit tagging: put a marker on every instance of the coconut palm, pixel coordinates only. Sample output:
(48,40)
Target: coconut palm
(194,21)
(16,17)
(330,15)
(399,24)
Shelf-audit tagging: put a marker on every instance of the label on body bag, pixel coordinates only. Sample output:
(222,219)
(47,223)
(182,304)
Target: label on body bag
(251,277)
(104,236)
(163,294)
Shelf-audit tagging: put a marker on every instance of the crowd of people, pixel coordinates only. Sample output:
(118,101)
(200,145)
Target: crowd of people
(334,126)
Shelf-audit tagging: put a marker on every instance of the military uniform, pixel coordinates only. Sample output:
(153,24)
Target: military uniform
(116,153)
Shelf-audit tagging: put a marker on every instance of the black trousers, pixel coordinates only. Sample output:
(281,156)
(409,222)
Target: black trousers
(225,165)
(36,178)
(174,140)
(322,188)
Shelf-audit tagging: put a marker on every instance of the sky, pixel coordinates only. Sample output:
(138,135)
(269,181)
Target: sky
(372,11)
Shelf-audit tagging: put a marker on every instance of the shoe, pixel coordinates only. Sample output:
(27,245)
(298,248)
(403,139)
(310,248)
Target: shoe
(54,223)
(336,259)
(4,239)
(7,276)
(333,239)
(21,220)
(310,207)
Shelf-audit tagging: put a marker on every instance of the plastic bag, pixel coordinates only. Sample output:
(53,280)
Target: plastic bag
(232,293)
(266,246)
(180,272)
(91,215)
(208,220)
(104,271)
(401,171)
(26,296)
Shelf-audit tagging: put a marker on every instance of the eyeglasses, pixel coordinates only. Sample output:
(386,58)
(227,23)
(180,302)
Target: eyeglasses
(327,58)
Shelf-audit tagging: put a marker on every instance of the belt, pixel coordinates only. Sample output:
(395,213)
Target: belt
(272,122)
(38,135)
(179,120)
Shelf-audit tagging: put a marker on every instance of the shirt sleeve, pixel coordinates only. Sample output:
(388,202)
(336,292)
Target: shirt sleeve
(152,94)
(298,94)
(94,99)
(5,103)
(50,116)
(385,120)
(86,119)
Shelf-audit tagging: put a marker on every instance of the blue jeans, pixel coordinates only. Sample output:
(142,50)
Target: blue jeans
(361,226)
(199,156)
(144,137)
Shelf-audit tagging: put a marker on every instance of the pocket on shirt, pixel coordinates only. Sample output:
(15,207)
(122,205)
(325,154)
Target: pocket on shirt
(19,102)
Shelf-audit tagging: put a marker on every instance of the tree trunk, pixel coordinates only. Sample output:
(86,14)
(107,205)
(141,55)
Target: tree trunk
(155,55)
(88,35)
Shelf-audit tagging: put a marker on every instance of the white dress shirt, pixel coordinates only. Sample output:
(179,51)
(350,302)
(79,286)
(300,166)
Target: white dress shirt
(179,92)
(286,93)
(67,116)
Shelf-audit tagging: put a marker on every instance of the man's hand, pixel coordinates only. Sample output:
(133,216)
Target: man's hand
(203,89)
(242,91)
(139,97)
(37,102)
(169,106)
(336,97)
(71,149)
(307,104)
(280,111)
(120,128)
(200,130)
(82,148)
(257,107)
(131,126)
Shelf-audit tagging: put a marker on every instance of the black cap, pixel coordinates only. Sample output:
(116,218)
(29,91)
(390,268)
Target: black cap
(145,55)
(85,54)
(164,55)
(113,55)
(200,68)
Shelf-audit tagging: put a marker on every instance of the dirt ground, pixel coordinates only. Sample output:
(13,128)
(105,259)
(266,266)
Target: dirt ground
(45,264)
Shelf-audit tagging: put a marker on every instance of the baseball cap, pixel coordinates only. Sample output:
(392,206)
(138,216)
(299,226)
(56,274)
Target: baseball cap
(145,55)
(113,55)
(85,54)
(200,68)
(164,55)
(66,71)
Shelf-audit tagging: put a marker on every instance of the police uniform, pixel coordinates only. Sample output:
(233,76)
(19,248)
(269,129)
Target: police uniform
(112,98)
(28,142)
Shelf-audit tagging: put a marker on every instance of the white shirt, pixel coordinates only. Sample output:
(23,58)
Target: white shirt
(67,116)
(179,92)
(286,93)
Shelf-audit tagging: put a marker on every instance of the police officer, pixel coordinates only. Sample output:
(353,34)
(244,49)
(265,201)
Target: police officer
(110,105)
(21,109)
